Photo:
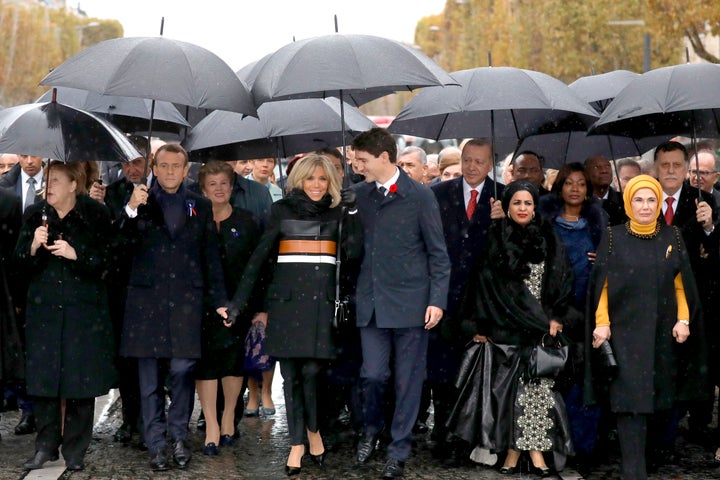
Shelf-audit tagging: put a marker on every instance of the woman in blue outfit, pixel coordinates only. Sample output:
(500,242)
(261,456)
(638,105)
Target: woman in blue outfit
(579,222)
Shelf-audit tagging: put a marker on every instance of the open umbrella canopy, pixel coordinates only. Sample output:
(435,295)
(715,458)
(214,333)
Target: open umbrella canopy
(130,114)
(156,68)
(283,128)
(60,132)
(677,100)
(599,90)
(360,67)
(560,148)
(494,102)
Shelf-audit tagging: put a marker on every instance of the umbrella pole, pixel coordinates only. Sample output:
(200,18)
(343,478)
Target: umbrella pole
(614,163)
(148,152)
(280,168)
(348,171)
(693,147)
(493,159)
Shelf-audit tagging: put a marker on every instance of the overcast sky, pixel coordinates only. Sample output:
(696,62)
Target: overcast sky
(242,31)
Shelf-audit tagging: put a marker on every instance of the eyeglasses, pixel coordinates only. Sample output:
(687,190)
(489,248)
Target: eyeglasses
(703,173)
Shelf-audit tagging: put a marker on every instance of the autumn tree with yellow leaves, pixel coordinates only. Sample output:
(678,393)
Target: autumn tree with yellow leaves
(36,39)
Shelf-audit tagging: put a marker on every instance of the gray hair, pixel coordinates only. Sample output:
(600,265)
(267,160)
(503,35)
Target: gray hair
(419,152)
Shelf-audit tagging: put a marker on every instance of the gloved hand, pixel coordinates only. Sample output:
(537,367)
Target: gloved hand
(348,198)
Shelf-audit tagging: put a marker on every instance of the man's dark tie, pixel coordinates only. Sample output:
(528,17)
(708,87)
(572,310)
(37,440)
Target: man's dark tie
(472,203)
(669,213)
(31,192)
(382,190)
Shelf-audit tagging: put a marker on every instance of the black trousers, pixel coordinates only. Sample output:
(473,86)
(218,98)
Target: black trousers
(77,433)
(641,436)
(300,385)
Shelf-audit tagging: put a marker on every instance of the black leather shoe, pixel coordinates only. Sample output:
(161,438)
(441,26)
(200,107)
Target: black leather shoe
(124,433)
(201,422)
(393,468)
(227,440)
(420,427)
(26,425)
(39,459)
(290,471)
(505,470)
(74,466)
(181,453)
(159,461)
(366,448)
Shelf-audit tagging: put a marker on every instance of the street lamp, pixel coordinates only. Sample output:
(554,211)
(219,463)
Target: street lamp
(646,46)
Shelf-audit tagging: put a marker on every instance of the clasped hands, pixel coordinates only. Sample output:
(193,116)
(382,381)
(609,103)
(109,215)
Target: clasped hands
(59,248)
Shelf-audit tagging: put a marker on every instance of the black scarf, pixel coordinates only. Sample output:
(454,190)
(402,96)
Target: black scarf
(307,207)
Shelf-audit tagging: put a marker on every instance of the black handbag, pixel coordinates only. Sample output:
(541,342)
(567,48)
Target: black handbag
(343,317)
(547,358)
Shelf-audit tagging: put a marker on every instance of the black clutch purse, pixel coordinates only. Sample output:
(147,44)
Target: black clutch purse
(606,362)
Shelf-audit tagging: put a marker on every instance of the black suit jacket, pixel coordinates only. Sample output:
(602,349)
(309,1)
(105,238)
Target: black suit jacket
(117,196)
(614,205)
(464,238)
(170,275)
(703,249)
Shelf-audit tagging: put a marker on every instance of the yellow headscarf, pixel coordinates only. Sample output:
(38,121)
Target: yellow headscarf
(635,184)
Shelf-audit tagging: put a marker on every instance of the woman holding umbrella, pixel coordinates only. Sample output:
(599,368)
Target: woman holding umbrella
(644,300)
(63,244)
(294,269)
(520,290)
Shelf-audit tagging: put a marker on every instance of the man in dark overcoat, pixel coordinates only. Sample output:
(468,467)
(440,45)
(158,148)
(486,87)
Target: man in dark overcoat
(175,259)
(696,219)
(401,292)
(465,208)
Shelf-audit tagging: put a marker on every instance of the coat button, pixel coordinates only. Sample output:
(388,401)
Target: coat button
(171,304)
(172,275)
(317,267)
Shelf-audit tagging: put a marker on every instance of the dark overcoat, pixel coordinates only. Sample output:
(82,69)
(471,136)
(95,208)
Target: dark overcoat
(654,370)
(298,289)
(12,364)
(406,267)
(170,274)
(68,331)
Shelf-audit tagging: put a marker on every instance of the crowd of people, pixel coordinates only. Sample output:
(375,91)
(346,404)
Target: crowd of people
(141,279)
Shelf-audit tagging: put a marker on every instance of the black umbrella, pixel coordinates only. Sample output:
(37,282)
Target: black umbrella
(504,104)
(157,68)
(344,65)
(599,90)
(60,132)
(564,147)
(678,100)
(282,129)
(353,68)
(130,114)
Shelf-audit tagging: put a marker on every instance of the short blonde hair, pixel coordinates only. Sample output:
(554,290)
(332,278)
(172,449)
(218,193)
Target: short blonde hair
(306,166)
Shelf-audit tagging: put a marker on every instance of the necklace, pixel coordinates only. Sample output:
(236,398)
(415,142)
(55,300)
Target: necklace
(572,218)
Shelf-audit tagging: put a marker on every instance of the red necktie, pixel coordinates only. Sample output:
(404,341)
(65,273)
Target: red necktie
(472,203)
(669,213)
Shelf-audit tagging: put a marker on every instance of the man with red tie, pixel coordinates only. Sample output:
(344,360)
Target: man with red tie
(695,218)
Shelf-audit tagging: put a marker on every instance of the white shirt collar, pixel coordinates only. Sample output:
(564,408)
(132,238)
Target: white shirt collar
(392,181)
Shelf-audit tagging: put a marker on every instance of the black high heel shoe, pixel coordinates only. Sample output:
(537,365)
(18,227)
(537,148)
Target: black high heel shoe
(319,460)
(290,470)
(505,470)
(543,472)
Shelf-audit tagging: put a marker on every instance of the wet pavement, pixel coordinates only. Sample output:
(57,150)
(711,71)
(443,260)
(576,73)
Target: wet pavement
(262,450)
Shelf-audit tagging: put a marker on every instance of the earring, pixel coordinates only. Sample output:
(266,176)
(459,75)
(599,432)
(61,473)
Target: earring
(533,215)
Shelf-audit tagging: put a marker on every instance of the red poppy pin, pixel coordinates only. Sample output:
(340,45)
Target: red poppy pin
(393,188)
